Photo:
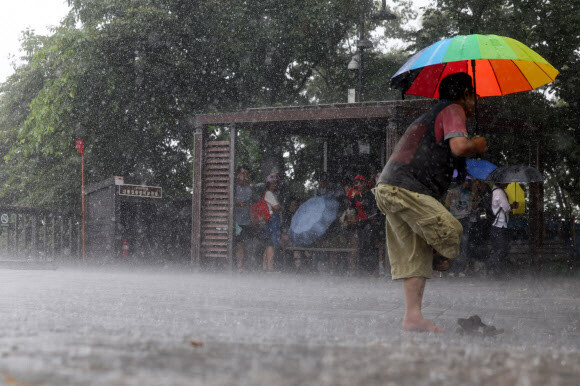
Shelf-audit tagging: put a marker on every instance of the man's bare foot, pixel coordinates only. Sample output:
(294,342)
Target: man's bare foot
(421,324)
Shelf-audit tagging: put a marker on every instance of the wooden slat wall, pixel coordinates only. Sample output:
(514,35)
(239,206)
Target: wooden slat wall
(215,202)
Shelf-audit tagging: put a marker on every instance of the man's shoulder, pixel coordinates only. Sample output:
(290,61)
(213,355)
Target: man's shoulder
(451,112)
(453,108)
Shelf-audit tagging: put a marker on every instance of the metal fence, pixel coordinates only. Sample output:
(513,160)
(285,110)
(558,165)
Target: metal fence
(40,234)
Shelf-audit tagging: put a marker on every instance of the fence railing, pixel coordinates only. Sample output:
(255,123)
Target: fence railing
(42,234)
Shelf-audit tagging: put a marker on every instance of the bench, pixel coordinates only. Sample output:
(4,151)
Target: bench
(318,249)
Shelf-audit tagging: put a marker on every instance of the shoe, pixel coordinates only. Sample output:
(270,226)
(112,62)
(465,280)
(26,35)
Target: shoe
(474,326)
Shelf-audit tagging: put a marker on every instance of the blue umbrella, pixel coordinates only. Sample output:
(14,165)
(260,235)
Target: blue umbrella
(312,219)
(479,169)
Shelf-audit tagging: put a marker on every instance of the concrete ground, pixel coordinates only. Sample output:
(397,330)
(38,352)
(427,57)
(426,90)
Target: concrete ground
(137,326)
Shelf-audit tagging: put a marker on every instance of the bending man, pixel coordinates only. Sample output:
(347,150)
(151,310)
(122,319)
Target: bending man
(411,186)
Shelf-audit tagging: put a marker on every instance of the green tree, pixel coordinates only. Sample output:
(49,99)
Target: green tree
(132,75)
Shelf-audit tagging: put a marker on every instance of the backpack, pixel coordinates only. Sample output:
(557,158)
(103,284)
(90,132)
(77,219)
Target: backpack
(486,204)
(259,212)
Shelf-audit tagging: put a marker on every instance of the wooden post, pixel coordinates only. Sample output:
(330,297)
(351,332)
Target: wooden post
(231,222)
(391,136)
(53,240)
(8,238)
(70,235)
(16,234)
(197,159)
(536,218)
(83,203)
(573,230)
(325,156)
(62,230)
(34,235)
(80,250)
(44,235)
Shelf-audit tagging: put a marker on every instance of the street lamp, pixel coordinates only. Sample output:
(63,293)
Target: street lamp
(354,65)
(353,70)
(357,62)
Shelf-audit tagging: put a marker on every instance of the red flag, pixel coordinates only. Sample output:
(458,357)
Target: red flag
(80,145)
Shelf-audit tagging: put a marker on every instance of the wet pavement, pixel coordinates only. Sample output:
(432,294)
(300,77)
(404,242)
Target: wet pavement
(127,326)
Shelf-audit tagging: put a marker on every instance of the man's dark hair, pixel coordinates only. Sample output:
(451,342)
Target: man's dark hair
(453,86)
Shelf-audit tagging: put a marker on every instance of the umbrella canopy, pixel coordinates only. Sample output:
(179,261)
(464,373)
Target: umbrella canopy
(312,219)
(507,174)
(502,66)
(479,169)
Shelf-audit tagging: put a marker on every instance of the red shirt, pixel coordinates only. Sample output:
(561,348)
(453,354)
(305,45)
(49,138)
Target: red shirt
(450,123)
(360,210)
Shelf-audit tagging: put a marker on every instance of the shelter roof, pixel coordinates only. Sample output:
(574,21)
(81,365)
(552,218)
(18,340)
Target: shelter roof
(372,116)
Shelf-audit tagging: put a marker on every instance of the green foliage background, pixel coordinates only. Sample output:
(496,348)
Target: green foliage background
(129,76)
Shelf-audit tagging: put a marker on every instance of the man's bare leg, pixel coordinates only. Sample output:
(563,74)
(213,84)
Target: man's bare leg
(414,320)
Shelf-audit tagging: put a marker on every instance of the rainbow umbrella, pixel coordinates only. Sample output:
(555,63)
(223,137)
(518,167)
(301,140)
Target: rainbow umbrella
(501,66)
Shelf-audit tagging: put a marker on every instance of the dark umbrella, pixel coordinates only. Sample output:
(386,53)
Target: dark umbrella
(507,174)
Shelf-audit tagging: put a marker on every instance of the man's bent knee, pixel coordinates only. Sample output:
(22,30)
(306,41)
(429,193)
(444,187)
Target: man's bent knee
(443,232)
(449,245)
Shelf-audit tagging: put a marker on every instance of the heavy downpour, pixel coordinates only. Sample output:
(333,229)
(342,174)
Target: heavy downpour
(337,192)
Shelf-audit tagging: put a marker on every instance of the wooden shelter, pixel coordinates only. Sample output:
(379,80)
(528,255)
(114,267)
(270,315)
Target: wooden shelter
(213,170)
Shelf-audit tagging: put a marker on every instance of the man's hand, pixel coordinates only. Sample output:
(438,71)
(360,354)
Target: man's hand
(480,144)
(463,147)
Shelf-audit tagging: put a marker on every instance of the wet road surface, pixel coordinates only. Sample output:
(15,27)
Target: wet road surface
(123,326)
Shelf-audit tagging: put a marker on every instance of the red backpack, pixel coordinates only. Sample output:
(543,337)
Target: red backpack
(259,212)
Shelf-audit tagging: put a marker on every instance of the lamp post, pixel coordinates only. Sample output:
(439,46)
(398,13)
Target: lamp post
(357,64)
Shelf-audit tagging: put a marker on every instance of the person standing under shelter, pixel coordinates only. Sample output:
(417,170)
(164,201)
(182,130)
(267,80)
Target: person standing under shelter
(458,201)
(270,231)
(411,184)
(242,197)
(499,232)
(479,228)
(363,201)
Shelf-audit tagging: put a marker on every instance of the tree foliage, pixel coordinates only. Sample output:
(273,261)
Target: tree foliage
(128,76)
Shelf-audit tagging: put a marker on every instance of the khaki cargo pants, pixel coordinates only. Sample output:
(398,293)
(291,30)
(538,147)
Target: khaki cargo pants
(416,224)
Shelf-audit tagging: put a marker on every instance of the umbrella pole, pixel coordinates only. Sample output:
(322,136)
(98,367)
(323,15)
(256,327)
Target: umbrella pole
(475,92)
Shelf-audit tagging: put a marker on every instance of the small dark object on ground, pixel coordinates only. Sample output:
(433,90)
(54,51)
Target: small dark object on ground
(474,326)
(440,263)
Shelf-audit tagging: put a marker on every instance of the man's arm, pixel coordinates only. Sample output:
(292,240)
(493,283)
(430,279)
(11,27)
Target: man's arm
(463,147)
